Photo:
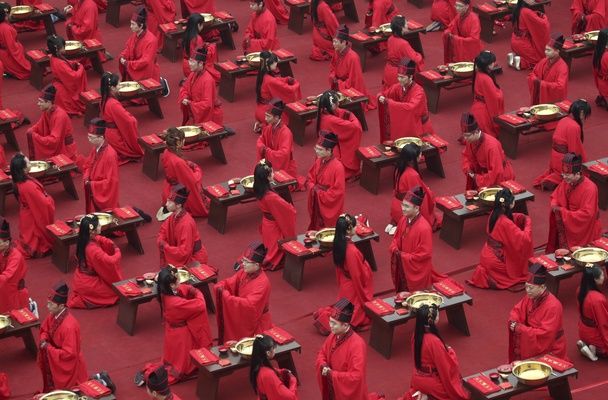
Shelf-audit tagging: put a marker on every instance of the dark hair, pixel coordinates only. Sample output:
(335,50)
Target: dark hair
(482,64)
(5,9)
(575,109)
(425,321)
(324,104)
(172,138)
(502,206)
(259,359)
(261,179)
(55,43)
(344,223)
(600,48)
(142,12)
(84,237)
(516,12)
(194,20)
(408,157)
(397,24)
(314,15)
(590,274)
(166,277)
(266,60)
(108,80)
(18,172)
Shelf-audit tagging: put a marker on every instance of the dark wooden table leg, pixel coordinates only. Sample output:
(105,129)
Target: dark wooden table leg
(150,163)
(366,249)
(207,385)
(602,191)
(521,207)
(432,97)
(285,193)
(285,69)
(127,315)
(171,48)
(434,163)
(208,298)
(296,20)
(417,3)
(133,239)
(350,10)
(61,256)
(10,137)
(381,337)
(227,86)
(91,110)
(360,114)
(217,150)
(297,126)
(36,74)
(487,29)
(509,141)
(451,231)
(96,63)
(458,319)
(48,25)
(362,52)
(68,185)
(226,36)
(370,177)
(552,284)
(29,341)
(218,213)
(293,272)
(559,389)
(2,200)
(416,43)
(154,107)
(113,14)
(285,360)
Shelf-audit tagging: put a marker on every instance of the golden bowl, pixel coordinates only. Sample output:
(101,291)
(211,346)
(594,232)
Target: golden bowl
(590,255)
(532,373)
(488,195)
(244,347)
(325,237)
(38,166)
(5,322)
(253,59)
(463,69)
(384,29)
(401,142)
(544,111)
(104,218)
(512,2)
(341,98)
(60,395)
(247,182)
(207,17)
(21,11)
(417,300)
(190,130)
(72,46)
(183,275)
(128,88)
(592,36)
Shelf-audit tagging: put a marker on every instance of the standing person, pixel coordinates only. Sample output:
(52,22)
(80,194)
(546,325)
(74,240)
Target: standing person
(97,269)
(325,184)
(588,15)
(442,13)
(83,25)
(138,61)
(324,27)
(600,69)
(13,292)
(278,216)
(488,98)
(69,77)
(503,262)
(100,174)
(261,31)
(535,322)
(60,350)
(593,310)
(192,41)
(159,12)
(531,30)
(548,81)
(380,12)
(36,210)
(268,382)
(567,138)
(243,300)
(398,49)
(461,39)
(12,54)
(574,219)
(157,385)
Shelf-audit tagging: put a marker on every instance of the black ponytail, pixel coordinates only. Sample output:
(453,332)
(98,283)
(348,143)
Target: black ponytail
(266,60)
(261,179)
(259,359)
(590,274)
(326,100)
(576,108)
(408,157)
(425,323)
(344,223)
(18,172)
(108,81)
(88,223)
(502,206)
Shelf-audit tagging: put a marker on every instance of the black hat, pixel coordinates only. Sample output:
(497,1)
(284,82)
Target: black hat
(329,140)
(572,163)
(342,33)
(468,123)
(406,66)
(140,15)
(343,310)
(276,107)
(59,294)
(415,196)
(158,381)
(97,126)
(538,274)
(201,54)
(255,252)
(5,230)
(179,194)
(48,93)
(556,41)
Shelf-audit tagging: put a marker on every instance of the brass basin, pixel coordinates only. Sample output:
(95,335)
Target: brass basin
(532,373)
(544,111)
(244,347)
(590,255)
(247,182)
(592,36)
(253,59)
(325,237)
(417,300)
(73,46)
(38,166)
(401,142)
(61,395)
(190,130)
(341,98)
(384,29)
(5,322)
(463,69)
(21,11)
(104,218)
(207,17)
(183,275)
(488,195)
(128,88)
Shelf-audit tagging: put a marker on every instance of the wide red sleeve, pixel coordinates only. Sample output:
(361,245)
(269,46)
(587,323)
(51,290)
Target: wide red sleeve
(279,87)
(187,173)
(468,160)
(357,266)
(354,74)
(423,252)
(250,306)
(518,312)
(326,15)
(573,141)
(33,195)
(284,214)
(125,122)
(538,26)
(59,126)
(87,17)
(447,368)
(105,257)
(38,126)
(149,48)
(599,310)
(181,252)
(249,30)
(105,185)
(10,269)
(202,107)
(66,356)
(271,386)
(495,168)
(187,304)
(535,340)
(408,180)
(334,195)
(493,97)
(380,8)
(348,382)
(516,237)
(267,30)
(557,85)
(72,79)
(284,148)
(229,283)
(579,220)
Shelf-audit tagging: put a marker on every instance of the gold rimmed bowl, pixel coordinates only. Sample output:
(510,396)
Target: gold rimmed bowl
(207,18)
(544,111)
(592,36)
(38,166)
(488,195)
(315,99)
(21,11)
(384,29)
(532,373)
(253,59)
(61,395)
(190,130)
(244,347)
(590,255)
(247,182)
(401,142)
(183,275)
(5,322)
(103,218)
(417,300)
(128,88)
(325,237)
(72,46)
(463,69)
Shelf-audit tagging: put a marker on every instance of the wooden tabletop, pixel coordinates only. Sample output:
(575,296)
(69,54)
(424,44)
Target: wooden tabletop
(244,67)
(318,250)
(117,225)
(194,281)
(244,194)
(484,208)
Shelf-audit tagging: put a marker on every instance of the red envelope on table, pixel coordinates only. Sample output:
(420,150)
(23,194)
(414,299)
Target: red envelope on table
(601,242)
(487,7)
(352,92)
(360,36)
(380,307)
(203,271)
(545,261)
(513,119)
(150,83)
(59,228)
(168,27)
(281,336)
(569,44)
(152,139)
(514,187)
(125,212)
(94,389)
(564,105)
(483,384)
(7,114)
(450,202)
(600,168)
(130,289)
(556,363)
(449,287)
(297,106)
(91,95)
(23,316)
(61,160)
(228,65)
(36,54)
(211,126)
(222,15)
(435,141)
(363,230)
(217,190)
(282,176)
(413,25)
(204,356)
(370,152)
(432,75)
(282,53)
(91,43)
(43,7)
(296,248)
(4,176)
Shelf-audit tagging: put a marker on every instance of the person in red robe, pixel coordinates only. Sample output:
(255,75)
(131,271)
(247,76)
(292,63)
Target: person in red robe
(193,40)
(379,12)
(278,216)
(278,10)
(60,350)
(12,53)
(261,31)
(243,300)
(535,322)
(548,81)
(157,385)
(5,390)
(179,242)
(461,39)
(574,219)
(531,31)
(83,23)
(196,7)
(325,184)
(100,174)
(98,267)
(488,99)
(13,292)
(69,77)
(567,138)
(600,69)
(346,126)
(138,61)
(398,49)
(588,15)
(484,163)
(268,382)
(593,310)
(179,170)
(412,247)
(503,262)
(51,135)
(324,27)
(442,13)
(159,12)
(36,210)
(436,372)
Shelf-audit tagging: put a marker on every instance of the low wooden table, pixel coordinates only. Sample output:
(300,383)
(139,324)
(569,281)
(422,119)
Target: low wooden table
(371,167)
(113,11)
(556,276)
(487,18)
(383,327)
(229,77)
(601,181)
(559,388)
(127,306)
(25,333)
(209,376)
(579,50)
(62,244)
(6,129)
(293,273)
(298,11)
(218,210)
(37,15)
(453,220)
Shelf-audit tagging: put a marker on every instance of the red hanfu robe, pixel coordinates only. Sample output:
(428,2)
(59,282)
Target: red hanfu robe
(345,72)
(408,180)
(12,53)
(443,11)
(323,32)
(593,324)
(101,170)
(275,144)
(553,85)
(488,102)
(278,10)
(411,255)
(382,11)
(204,105)
(52,135)
(92,282)
(356,283)
(348,129)
(140,53)
(83,24)
(159,12)
(261,32)
(539,328)
(464,44)
(179,241)
(566,139)
(600,76)
(285,88)
(70,79)
(397,49)
(243,302)
(594,12)
(196,43)
(13,293)
(271,387)
(326,192)
(278,222)
(503,261)
(529,39)
(198,6)
(487,160)
(577,223)
(121,132)
(61,361)
(179,170)
(36,211)
(405,113)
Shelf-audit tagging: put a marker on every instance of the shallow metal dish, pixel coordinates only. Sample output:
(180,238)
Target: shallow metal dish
(247,182)
(417,300)
(183,275)
(61,395)
(488,195)
(72,46)
(325,237)
(544,111)
(463,69)
(128,88)
(384,29)
(104,218)
(21,11)
(244,347)
(341,98)
(38,166)
(590,255)
(253,59)
(5,322)
(401,142)
(532,373)
(592,36)
(190,130)
(207,17)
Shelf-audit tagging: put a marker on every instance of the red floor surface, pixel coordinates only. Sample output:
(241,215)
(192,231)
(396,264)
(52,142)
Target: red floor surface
(106,346)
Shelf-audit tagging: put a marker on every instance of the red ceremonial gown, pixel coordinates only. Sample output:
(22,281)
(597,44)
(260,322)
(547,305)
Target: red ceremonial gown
(443,11)
(278,10)
(83,24)
(348,129)
(383,12)
(159,12)
(12,53)
(487,160)
(204,104)
(261,32)
(36,211)
(601,76)
(326,192)
(355,283)
(275,144)
(101,170)
(199,42)
(405,113)
(285,88)
(13,293)
(52,135)
(323,32)
(140,53)
(243,302)
(593,324)
(539,328)
(179,241)
(464,44)
(271,386)
(61,361)
(278,222)
(529,41)
(179,170)
(594,12)
(397,49)
(199,6)
(121,131)
(92,283)
(407,181)
(345,72)
(488,102)
(553,85)
(70,79)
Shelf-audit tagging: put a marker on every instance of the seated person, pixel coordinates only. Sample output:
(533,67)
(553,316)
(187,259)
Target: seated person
(548,81)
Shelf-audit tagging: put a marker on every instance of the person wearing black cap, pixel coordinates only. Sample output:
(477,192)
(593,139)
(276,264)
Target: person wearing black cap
(399,48)
(100,175)
(13,292)
(535,322)
(138,61)
(484,163)
(548,81)
(461,39)
(243,300)
(12,53)
(326,184)
(531,31)
(157,385)
(574,219)
(193,40)
(261,31)
(60,357)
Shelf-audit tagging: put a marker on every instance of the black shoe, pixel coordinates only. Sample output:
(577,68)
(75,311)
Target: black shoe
(105,380)
(166,89)
(234,26)
(139,379)
(147,218)
(229,131)
(26,121)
